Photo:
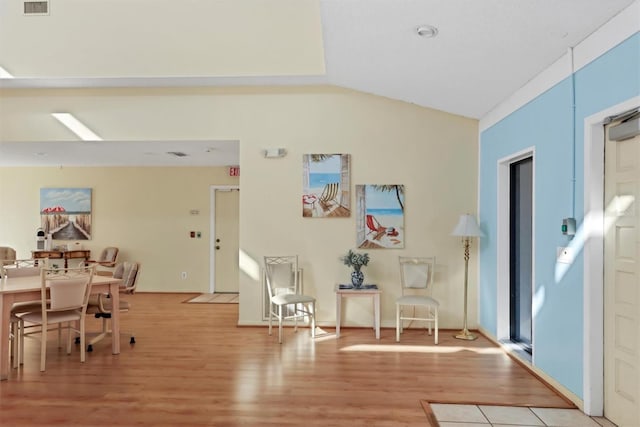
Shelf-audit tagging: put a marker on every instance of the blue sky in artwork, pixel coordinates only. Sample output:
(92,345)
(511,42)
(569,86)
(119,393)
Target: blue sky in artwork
(71,199)
(377,199)
(330,165)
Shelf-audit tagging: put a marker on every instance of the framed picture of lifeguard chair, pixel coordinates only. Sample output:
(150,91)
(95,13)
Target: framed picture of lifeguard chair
(380,216)
(325,188)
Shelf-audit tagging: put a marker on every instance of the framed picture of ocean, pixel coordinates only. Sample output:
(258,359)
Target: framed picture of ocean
(325,186)
(380,216)
(65,213)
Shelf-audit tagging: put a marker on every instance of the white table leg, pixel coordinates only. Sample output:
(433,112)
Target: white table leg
(376,311)
(338,313)
(115,317)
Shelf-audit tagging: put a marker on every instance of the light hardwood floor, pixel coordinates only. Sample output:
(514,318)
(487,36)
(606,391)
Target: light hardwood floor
(192,366)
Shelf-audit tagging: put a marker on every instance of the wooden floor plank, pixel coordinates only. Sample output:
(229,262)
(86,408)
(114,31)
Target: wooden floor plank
(192,366)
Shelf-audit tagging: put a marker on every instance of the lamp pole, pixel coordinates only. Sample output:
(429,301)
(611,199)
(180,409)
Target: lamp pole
(467,228)
(465,334)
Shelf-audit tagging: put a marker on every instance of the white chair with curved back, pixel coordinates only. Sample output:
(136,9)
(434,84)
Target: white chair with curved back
(100,305)
(12,269)
(416,279)
(64,297)
(285,300)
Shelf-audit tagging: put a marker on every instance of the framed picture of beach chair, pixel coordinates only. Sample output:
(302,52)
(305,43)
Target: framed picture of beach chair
(325,186)
(380,216)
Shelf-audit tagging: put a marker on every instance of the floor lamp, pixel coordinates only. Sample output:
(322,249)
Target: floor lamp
(467,228)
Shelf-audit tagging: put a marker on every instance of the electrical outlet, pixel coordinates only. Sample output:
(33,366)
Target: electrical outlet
(183,275)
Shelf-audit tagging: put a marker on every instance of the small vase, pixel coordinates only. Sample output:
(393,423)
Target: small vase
(357,277)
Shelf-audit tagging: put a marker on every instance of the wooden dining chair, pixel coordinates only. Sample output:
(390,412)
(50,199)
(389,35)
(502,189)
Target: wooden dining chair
(64,297)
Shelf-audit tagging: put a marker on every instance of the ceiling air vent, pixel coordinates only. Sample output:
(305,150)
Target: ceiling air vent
(32,8)
(177,153)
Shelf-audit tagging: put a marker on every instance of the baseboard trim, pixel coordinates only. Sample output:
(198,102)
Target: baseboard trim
(554,385)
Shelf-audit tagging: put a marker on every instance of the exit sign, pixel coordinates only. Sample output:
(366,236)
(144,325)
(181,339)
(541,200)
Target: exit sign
(234,171)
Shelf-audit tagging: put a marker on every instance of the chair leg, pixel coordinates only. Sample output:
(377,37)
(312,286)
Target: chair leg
(15,344)
(270,317)
(21,338)
(397,323)
(43,347)
(280,324)
(313,320)
(82,340)
(295,317)
(436,325)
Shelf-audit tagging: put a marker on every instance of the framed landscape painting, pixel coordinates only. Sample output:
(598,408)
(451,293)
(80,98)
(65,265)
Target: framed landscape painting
(380,220)
(65,213)
(325,187)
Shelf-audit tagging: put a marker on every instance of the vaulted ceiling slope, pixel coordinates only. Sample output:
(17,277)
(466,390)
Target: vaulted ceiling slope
(484,51)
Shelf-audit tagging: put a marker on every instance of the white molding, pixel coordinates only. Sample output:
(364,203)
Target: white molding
(212,231)
(540,373)
(592,234)
(502,241)
(618,29)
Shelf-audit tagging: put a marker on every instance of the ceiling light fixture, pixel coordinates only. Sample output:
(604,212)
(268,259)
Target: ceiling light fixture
(427,31)
(76,126)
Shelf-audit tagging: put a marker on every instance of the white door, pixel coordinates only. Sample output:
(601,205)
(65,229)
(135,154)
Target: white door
(226,244)
(622,282)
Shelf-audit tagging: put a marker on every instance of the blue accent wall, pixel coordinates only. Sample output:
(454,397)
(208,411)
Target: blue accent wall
(547,124)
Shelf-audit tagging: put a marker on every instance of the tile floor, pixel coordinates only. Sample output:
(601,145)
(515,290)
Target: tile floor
(453,415)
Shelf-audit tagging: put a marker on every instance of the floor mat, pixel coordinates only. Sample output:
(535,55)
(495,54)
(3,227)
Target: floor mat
(216,298)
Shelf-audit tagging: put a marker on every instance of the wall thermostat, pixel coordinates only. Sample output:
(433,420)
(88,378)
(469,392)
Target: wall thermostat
(569,226)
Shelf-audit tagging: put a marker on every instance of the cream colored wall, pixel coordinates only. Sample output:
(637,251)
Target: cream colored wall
(143,211)
(433,154)
(207,38)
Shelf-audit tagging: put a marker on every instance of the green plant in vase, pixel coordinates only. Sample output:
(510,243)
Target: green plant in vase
(356,261)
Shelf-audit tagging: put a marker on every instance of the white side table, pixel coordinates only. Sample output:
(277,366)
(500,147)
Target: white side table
(366,290)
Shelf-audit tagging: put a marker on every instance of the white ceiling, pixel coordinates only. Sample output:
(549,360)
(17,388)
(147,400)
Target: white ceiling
(485,51)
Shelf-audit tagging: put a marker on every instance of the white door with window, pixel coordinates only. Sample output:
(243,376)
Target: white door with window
(226,245)
(622,282)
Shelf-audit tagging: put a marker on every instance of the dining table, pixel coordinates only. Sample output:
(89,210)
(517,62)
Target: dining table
(29,288)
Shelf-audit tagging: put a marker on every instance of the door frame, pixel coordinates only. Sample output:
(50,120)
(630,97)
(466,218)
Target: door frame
(212,231)
(503,242)
(591,232)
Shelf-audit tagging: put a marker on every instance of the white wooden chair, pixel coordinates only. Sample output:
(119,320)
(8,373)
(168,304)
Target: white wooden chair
(64,297)
(416,279)
(285,300)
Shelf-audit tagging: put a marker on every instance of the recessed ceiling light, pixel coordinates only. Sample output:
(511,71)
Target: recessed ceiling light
(427,31)
(76,126)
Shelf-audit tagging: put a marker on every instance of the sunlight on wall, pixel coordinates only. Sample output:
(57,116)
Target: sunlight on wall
(248,265)
(616,208)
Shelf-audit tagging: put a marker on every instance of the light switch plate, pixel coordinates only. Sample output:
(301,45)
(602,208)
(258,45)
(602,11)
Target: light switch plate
(565,255)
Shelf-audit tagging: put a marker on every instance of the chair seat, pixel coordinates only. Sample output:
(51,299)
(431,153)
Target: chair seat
(292,299)
(417,300)
(53,317)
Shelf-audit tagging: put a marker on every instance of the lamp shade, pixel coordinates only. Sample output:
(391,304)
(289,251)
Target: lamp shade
(467,227)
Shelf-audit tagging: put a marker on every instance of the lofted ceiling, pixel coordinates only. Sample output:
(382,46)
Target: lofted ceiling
(485,50)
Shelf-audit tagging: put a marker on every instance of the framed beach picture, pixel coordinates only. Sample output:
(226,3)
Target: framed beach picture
(325,187)
(65,213)
(380,216)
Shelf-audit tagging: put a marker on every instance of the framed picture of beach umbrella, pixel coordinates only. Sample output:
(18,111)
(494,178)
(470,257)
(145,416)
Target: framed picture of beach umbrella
(325,186)
(380,216)
(65,213)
